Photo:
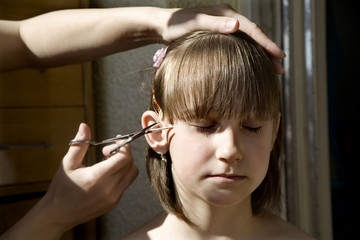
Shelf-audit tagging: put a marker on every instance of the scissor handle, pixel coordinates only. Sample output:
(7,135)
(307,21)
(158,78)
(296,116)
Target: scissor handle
(115,149)
(133,137)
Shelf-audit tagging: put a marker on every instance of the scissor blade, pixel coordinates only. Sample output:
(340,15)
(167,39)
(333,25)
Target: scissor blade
(129,135)
(138,134)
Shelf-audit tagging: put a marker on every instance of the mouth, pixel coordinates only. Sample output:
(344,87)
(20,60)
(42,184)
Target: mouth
(226,178)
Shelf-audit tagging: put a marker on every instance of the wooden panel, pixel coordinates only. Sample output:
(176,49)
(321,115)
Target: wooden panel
(24,188)
(39,107)
(61,86)
(21,9)
(26,130)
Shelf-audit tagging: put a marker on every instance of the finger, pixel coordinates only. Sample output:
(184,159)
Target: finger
(119,184)
(221,9)
(76,153)
(127,180)
(277,65)
(216,23)
(259,36)
(121,161)
(219,24)
(107,149)
(253,30)
(246,26)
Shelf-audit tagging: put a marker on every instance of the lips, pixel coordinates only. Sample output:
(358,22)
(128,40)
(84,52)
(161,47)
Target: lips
(226,178)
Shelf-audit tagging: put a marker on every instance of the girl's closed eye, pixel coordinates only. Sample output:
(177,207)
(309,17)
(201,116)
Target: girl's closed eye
(252,129)
(205,126)
(252,126)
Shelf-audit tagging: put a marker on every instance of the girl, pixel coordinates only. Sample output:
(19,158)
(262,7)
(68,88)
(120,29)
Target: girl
(217,171)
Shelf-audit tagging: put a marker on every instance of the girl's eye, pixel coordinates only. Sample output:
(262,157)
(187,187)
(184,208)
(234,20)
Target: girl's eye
(209,128)
(205,127)
(252,129)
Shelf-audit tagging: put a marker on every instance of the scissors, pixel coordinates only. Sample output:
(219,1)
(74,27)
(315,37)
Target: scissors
(129,137)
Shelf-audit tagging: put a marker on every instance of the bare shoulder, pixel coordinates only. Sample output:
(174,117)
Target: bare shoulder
(274,227)
(142,233)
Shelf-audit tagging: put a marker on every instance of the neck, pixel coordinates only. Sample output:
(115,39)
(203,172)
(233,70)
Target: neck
(210,222)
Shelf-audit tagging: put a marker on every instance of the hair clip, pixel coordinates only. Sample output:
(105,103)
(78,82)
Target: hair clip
(159,57)
(156,106)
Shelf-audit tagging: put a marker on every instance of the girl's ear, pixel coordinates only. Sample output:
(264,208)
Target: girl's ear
(157,140)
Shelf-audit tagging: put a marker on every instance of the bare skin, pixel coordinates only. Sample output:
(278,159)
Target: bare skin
(42,41)
(265,226)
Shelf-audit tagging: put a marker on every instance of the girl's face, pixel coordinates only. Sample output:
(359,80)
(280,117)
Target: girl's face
(220,162)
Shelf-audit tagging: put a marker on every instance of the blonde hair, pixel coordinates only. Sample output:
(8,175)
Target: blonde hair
(226,74)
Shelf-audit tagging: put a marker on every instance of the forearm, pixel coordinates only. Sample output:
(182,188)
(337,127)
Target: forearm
(12,49)
(36,224)
(72,36)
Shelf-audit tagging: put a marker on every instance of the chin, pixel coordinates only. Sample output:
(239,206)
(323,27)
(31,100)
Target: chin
(227,199)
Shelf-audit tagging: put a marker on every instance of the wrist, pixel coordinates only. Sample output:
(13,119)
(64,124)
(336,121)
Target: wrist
(36,224)
(151,22)
(51,216)
(159,19)
(166,22)
(134,26)
(46,217)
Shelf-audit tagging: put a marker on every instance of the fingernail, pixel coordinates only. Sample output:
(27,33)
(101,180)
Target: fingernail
(230,24)
(81,130)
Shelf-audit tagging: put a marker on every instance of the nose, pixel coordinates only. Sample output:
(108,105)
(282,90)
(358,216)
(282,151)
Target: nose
(228,145)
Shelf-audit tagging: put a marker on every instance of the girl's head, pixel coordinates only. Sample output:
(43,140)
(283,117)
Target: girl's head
(227,76)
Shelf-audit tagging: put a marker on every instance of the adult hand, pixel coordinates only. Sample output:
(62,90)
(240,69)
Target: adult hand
(222,18)
(77,193)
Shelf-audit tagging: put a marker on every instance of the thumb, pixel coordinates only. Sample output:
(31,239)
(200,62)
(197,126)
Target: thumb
(227,25)
(76,153)
(217,23)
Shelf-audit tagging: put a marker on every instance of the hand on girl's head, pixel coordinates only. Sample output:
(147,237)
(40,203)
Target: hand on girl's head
(221,18)
(277,65)
(254,31)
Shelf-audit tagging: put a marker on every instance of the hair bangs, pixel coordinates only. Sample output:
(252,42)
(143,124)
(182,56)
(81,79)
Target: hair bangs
(206,77)
(223,76)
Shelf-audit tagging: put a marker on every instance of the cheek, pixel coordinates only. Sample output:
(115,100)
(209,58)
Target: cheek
(258,155)
(189,154)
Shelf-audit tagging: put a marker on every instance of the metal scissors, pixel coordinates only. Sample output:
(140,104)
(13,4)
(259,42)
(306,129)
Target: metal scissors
(129,137)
